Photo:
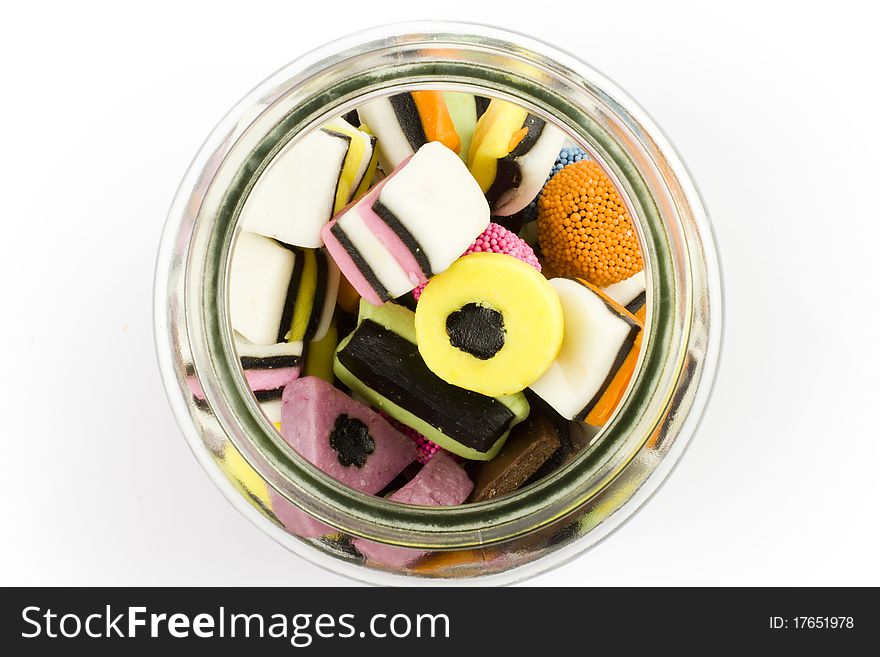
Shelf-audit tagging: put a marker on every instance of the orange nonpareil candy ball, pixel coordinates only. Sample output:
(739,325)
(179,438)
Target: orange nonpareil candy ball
(584,229)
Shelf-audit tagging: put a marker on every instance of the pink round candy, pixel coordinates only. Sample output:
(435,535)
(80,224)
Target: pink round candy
(497,239)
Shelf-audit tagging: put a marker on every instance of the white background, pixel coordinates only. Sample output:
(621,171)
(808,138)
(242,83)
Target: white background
(773,106)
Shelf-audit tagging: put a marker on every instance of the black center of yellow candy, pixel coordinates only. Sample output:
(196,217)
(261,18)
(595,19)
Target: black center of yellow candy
(352,441)
(477,330)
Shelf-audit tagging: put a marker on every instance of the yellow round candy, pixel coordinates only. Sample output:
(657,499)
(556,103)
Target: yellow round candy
(490,323)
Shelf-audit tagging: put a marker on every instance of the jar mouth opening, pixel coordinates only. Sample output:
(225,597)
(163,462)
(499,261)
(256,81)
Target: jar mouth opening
(599,124)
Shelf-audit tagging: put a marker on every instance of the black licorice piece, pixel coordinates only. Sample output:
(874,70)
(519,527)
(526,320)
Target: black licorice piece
(409,119)
(351,440)
(402,232)
(635,305)
(392,366)
(477,330)
(269,395)
(359,262)
(352,117)
(513,223)
(482,104)
(401,480)
(566,449)
(268,362)
(407,300)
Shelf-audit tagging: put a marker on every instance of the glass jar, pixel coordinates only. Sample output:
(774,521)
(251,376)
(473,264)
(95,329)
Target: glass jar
(535,528)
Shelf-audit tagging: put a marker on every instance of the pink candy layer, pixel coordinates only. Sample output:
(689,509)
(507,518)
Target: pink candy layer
(442,482)
(497,239)
(392,244)
(389,239)
(297,521)
(258,380)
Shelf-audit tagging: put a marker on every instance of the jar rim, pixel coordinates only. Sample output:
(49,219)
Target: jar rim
(683,334)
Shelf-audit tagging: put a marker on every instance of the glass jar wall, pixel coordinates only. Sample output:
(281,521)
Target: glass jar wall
(496,541)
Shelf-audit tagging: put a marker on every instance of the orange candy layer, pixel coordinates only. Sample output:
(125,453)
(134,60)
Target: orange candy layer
(584,228)
(603,409)
(436,120)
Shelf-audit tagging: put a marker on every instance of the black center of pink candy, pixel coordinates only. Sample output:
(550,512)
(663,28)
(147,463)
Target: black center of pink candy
(351,440)
(477,330)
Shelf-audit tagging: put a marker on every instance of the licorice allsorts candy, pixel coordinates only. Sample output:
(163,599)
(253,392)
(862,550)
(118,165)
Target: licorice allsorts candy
(631,294)
(380,362)
(598,354)
(511,153)
(296,194)
(441,482)
(342,437)
(490,323)
(359,166)
(280,293)
(267,369)
(530,445)
(405,122)
(410,226)
(497,239)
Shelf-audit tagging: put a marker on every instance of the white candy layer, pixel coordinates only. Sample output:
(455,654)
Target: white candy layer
(293,198)
(258,286)
(534,166)
(594,335)
(248,349)
(331,289)
(437,199)
(379,116)
(384,266)
(625,291)
(272,410)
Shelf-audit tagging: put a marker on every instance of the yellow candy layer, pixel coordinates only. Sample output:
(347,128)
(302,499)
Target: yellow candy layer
(319,355)
(357,151)
(494,137)
(244,477)
(305,296)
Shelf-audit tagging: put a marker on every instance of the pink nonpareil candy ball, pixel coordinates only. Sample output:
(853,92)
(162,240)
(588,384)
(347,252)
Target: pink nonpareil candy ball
(497,239)
(425,448)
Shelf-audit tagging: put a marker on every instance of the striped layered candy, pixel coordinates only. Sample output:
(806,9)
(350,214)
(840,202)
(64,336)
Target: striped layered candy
(412,225)
(631,294)
(511,153)
(296,193)
(598,355)
(280,293)
(267,370)
(405,122)
(359,165)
